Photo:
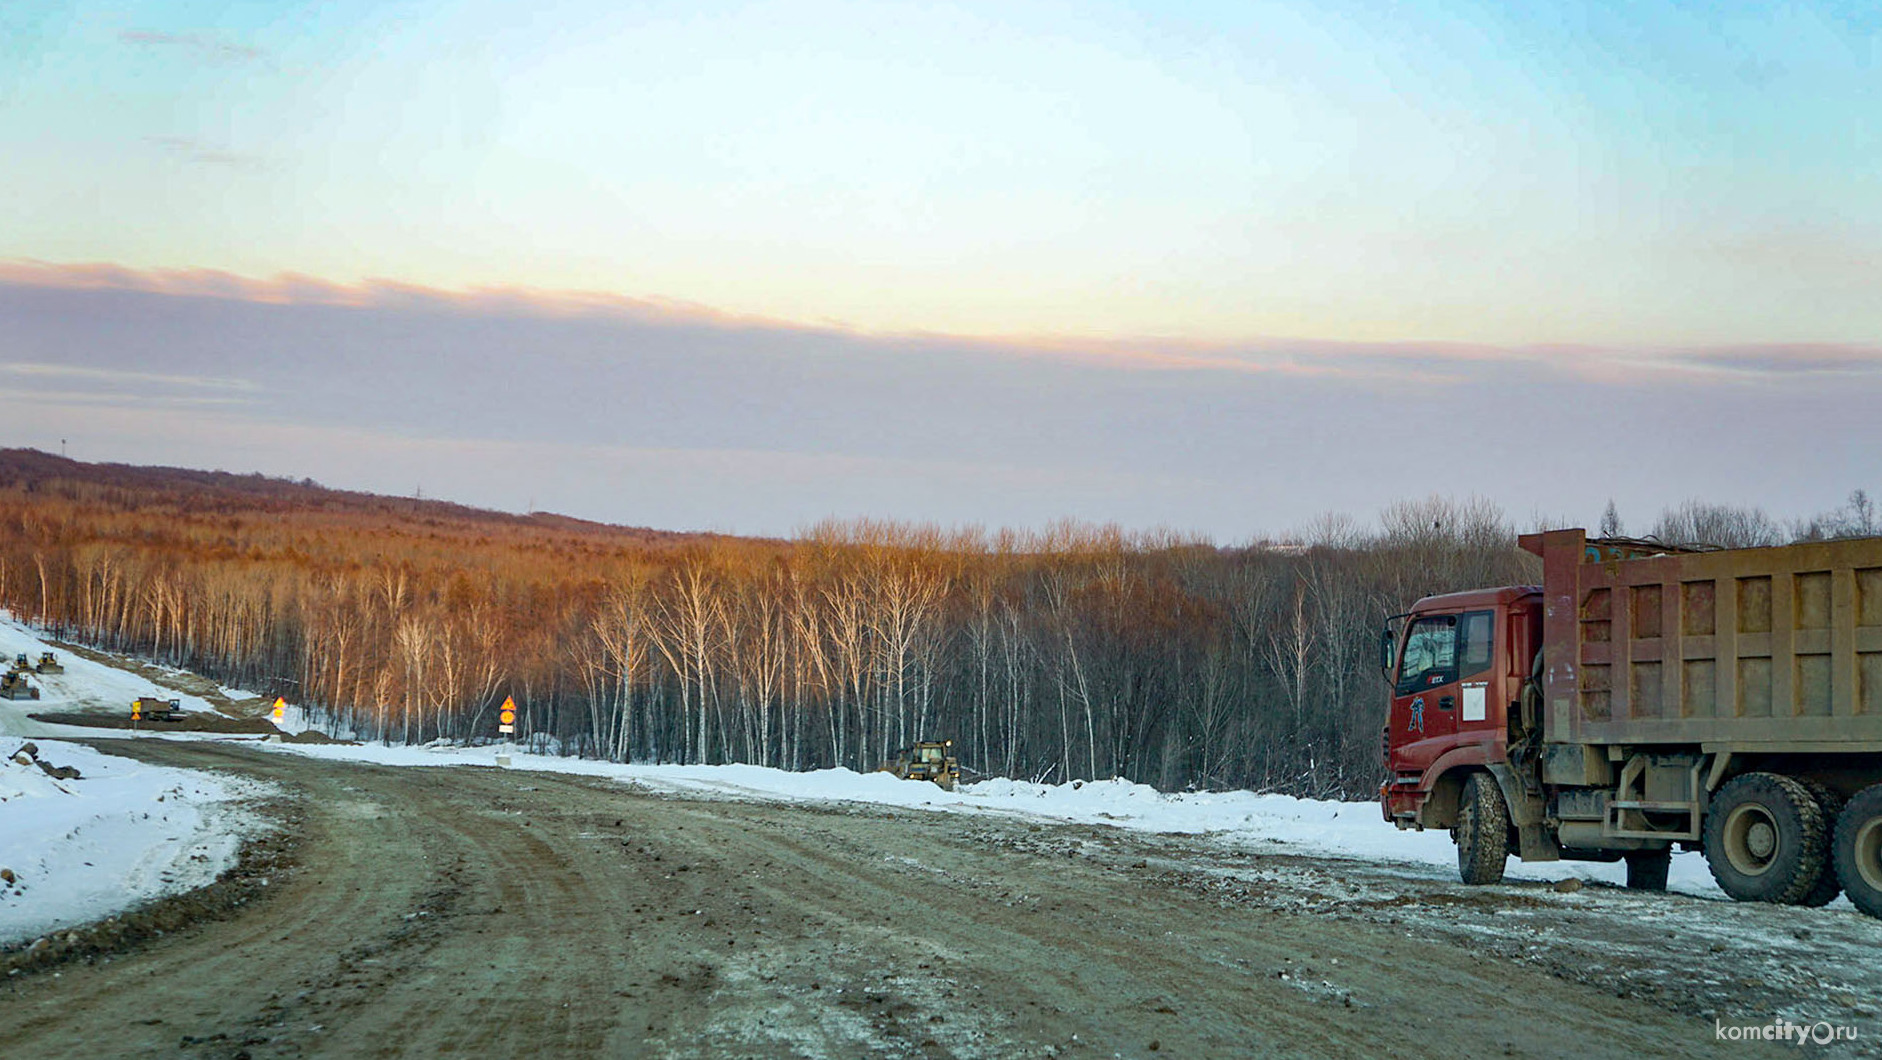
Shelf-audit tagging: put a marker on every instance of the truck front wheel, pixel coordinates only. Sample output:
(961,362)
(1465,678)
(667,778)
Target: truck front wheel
(1482,834)
(1858,850)
(1765,839)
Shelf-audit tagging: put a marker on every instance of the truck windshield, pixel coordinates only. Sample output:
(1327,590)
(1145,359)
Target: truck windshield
(1443,648)
(1430,653)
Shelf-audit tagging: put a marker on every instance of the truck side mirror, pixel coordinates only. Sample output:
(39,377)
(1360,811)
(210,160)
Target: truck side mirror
(1388,649)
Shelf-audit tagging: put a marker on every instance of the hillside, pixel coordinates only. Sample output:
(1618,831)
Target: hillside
(189,495)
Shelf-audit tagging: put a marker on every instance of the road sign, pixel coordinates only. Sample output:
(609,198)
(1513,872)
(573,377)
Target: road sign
(506,717)
(280,709)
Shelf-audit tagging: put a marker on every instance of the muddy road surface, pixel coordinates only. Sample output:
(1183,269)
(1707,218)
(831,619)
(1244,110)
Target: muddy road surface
(477,912)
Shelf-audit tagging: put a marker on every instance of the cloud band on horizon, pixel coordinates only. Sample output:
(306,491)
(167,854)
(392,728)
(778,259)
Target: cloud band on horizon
(1407,362)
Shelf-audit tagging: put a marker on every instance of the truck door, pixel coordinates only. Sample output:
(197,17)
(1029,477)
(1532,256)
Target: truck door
(1441,697)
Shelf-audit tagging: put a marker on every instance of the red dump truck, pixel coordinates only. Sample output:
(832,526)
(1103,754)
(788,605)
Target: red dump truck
(1646,697)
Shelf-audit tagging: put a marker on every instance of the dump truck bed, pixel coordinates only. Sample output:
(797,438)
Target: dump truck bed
(1765,648)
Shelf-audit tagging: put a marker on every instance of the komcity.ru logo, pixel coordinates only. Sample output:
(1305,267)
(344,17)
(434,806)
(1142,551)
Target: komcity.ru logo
(1782,1030)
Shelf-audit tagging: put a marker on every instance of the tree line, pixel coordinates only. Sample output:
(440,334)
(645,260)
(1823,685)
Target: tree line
(1073,652)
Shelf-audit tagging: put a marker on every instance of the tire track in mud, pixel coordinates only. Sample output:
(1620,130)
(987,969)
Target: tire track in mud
(474,911)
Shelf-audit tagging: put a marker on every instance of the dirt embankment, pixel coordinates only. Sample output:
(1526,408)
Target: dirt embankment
(194,721)
(474,911)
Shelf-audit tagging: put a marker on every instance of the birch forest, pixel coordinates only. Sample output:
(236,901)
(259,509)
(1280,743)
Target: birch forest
(1073,652)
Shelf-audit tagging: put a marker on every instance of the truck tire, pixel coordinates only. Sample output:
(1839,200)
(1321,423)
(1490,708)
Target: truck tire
(1482,834)
(1828,885)
(1647,869)
(1858,850)
(1765,840)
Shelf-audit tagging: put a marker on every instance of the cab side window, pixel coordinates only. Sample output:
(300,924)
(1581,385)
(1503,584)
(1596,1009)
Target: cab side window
(1474,642)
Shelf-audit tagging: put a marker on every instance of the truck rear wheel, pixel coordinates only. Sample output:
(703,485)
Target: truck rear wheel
(1482,834)
(1828,885)
(1647,869)
(1765,839)
(1858,850)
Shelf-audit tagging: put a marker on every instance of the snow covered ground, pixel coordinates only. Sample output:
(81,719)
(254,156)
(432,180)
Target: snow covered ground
(122,833)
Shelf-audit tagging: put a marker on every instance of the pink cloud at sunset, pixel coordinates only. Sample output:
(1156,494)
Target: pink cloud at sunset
(654,407)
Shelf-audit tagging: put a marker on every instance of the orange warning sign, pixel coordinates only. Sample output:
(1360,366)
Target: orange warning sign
(508,715)
(280,708)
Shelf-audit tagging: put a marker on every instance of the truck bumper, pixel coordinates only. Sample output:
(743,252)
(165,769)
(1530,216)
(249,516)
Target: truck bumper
(1400,801)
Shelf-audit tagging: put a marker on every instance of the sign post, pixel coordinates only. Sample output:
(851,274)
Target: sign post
(506,724)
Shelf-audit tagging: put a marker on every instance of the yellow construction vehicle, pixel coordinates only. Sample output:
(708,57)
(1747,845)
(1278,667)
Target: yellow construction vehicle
(150,708)
(49,664)
(929,760)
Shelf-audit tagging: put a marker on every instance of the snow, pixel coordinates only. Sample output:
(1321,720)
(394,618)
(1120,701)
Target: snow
(294,720)
(123,833)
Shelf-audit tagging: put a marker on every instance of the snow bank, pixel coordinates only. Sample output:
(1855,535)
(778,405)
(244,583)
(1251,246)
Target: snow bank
(125,832)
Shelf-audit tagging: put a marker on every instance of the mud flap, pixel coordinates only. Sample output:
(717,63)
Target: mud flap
(1534,841)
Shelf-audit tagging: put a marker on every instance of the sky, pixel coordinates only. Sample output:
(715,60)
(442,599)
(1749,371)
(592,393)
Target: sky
(1218,267)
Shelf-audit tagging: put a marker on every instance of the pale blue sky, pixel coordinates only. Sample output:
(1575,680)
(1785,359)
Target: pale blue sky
(1189,264)
(1622,173)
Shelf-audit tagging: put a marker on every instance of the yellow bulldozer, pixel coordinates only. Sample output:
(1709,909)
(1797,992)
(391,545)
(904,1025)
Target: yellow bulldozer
(928,760)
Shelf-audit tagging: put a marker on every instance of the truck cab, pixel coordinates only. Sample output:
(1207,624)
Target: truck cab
(1456,664)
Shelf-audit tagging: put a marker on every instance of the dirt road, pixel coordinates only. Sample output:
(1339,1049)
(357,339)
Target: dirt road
(458,911)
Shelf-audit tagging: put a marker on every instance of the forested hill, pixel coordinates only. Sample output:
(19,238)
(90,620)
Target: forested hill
(187,494)
(1073,652)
